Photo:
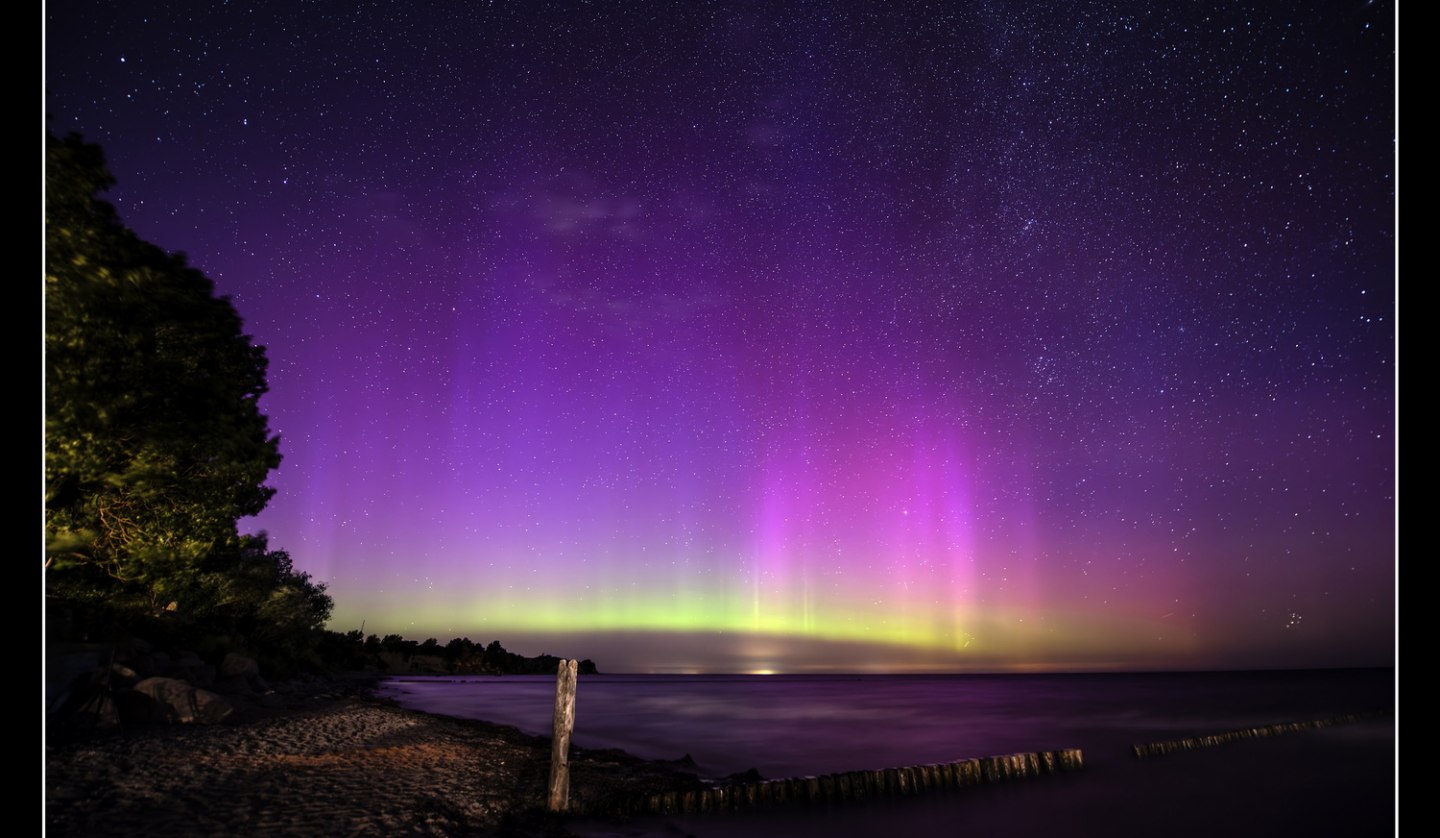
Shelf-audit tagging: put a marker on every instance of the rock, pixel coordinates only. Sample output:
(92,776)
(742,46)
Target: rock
(122,675)
(177,701)
(199,674)
(134,707)
(260,684)
(155,663)
(240,665)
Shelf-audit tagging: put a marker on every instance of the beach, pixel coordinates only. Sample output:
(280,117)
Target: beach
(331,760)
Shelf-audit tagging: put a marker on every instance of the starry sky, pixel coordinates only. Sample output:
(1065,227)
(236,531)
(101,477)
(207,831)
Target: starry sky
(792,336)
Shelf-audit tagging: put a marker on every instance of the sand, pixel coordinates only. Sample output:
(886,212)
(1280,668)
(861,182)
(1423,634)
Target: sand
(332,760)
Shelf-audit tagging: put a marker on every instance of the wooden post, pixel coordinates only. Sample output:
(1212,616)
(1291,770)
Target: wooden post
(564,724)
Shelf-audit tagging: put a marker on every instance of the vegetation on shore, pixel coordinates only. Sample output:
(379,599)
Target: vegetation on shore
(155,447)
(460,656)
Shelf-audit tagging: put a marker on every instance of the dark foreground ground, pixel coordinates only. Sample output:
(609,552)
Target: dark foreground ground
(332,762)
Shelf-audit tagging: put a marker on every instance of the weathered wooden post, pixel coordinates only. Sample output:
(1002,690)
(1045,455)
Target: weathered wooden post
(564,724)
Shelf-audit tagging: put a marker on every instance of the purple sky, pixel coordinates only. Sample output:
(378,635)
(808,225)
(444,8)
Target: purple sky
(783,336)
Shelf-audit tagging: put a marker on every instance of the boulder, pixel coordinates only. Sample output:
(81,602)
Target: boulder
(240,665)
(134,707)
(185,657)
(122,675)
(154,663)
(199,674)
(176,701)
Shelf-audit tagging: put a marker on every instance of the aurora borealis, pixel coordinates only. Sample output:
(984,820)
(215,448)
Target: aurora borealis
(752,336)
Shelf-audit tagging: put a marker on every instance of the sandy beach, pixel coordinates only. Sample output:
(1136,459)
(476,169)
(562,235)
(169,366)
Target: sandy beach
(332,760)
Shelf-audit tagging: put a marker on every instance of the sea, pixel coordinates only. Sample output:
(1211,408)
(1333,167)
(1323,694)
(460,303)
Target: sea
(1338,780)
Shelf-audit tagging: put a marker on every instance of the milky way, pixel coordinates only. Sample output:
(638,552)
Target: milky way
(772,336)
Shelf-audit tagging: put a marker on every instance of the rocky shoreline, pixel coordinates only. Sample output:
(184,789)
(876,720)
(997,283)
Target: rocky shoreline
(328,759)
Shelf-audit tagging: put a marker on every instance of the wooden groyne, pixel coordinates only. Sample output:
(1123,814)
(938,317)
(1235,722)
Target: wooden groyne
(1173,745)
(849,785)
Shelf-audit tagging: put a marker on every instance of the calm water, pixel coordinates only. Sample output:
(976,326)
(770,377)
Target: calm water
(1324,782)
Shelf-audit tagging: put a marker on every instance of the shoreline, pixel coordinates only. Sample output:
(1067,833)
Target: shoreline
(333,760)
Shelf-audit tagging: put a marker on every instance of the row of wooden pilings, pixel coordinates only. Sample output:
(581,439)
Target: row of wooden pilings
(851,785)
(1190,744)
(860,785)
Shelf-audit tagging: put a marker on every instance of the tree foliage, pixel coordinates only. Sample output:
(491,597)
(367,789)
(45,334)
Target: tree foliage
(255,593)
(155,444)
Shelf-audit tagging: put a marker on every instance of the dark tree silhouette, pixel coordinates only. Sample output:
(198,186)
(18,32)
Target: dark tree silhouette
(154,441)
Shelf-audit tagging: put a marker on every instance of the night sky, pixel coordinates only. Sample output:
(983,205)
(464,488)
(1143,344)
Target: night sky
(752,336)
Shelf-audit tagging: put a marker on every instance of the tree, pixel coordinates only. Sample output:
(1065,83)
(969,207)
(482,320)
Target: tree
(154,441)
(255,593)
